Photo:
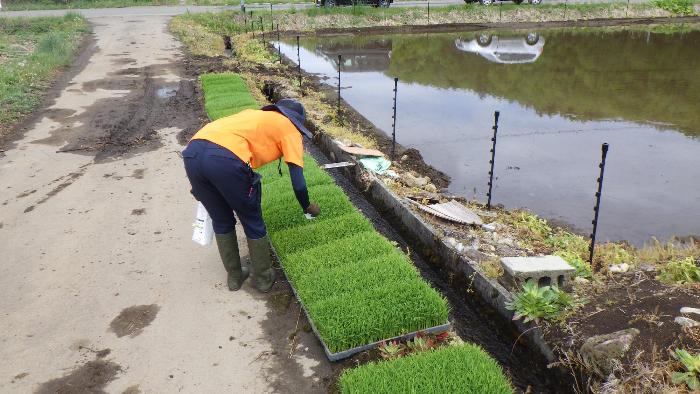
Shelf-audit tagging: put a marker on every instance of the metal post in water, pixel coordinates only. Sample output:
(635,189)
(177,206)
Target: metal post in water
(393,124)
(298,62)
(279,43)
(262,30)
(272,19)
(596,209)
(493,158)
(340,60)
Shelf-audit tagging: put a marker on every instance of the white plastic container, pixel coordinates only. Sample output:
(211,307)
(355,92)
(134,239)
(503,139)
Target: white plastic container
(203,229)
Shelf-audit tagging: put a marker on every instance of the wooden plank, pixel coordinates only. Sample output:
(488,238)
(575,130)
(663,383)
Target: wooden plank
(353,150)
(338,165)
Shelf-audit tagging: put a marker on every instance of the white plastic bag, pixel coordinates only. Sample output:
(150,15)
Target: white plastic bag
(203,229)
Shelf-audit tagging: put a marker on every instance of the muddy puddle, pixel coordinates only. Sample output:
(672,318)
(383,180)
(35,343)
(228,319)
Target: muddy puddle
(561,94)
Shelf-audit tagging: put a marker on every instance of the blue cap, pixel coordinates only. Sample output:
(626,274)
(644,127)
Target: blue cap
(294,111)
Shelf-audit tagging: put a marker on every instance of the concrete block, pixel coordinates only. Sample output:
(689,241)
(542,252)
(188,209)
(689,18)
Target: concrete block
(545,270)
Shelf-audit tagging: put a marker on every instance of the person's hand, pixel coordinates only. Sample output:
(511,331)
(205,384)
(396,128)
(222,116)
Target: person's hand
(312,211)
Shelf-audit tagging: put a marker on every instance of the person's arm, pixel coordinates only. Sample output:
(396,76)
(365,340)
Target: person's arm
(296,173)
(299,185)
(293,152)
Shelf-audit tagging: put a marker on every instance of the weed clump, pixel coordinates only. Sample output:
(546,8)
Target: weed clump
(547,302)
(676,7)
(680,271)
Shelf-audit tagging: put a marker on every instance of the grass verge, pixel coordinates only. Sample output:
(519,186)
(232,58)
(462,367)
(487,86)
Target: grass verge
(32,52)
(463,368)
(357,287)
(21,5)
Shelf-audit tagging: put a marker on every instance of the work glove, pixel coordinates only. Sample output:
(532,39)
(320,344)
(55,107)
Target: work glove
(312,211)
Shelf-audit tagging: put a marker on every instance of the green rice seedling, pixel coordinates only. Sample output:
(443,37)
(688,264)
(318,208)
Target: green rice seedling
(357,287)
(316,233)
(356,276)
(313,174)
(225,94)
(282,211)
(279,193)
(353,319)
(680,271)
(345,252)
(463,368)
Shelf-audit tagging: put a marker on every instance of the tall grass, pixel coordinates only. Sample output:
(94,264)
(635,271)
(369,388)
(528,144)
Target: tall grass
(45,46)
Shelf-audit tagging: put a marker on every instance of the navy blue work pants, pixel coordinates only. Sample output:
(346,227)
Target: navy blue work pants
(224,184)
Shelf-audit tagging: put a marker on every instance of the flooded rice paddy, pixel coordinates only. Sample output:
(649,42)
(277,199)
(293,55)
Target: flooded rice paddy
(561,94)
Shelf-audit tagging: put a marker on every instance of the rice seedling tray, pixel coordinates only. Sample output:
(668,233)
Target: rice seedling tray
(352,351)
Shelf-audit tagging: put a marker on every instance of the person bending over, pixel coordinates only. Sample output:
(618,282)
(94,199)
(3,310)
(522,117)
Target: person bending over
(220,161)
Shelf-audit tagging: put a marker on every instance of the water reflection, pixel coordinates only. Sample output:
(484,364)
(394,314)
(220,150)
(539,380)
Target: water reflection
(632,89)
(373,55)
(504,50)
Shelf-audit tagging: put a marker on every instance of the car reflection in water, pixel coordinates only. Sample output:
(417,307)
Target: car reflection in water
(504,50)
(370,56)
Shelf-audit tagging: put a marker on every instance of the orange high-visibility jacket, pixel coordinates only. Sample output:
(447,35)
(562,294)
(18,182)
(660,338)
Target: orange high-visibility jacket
(257,137)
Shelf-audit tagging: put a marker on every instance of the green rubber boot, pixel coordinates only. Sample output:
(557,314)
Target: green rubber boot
(261,261)
(228,250)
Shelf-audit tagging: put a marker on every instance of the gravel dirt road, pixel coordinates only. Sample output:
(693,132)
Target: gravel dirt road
(101,289)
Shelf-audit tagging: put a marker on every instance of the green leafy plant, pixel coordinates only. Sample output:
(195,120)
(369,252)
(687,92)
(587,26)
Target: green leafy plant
(356,286)
(533,303)
(677,7)
(583,269)
(463,368)
(390,350)
(421,343)
(564,241)
(691,377)
(532,226)
(680,271)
